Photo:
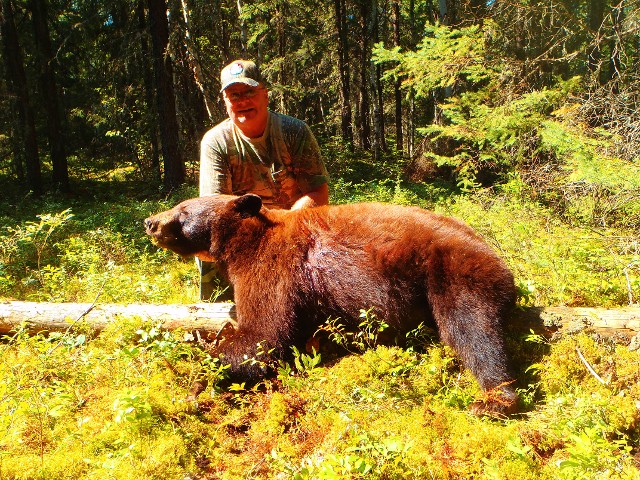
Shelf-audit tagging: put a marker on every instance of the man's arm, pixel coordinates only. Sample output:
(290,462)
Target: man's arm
(214,169)
(314,198)
(313,177)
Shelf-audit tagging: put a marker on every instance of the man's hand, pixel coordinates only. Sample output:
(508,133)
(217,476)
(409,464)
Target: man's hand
(315,198)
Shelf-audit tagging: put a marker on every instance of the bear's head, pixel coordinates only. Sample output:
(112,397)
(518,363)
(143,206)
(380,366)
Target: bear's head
(200,226)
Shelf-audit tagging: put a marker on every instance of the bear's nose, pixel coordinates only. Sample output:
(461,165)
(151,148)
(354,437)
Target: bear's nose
(150,224)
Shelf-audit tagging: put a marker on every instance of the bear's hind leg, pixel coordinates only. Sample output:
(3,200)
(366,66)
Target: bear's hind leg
(475,333)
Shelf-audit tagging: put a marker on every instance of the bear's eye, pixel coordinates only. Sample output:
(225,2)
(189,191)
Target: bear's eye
(183,217)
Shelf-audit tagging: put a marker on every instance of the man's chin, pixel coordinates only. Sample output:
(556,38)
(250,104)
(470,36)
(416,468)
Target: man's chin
(245,116)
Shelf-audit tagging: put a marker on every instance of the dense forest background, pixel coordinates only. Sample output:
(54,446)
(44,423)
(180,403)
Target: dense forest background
(455,89)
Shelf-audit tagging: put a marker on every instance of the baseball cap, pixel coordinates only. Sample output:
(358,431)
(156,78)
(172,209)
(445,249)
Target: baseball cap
(241,71)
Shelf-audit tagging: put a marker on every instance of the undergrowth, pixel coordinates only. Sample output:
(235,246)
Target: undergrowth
(114,406)
(80,251)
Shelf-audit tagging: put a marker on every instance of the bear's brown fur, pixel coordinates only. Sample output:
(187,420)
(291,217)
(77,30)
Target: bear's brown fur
(292,270)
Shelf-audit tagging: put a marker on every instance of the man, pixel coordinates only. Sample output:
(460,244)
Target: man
(258,151)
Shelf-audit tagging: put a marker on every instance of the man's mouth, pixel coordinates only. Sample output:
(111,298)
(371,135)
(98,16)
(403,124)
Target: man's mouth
(245,111)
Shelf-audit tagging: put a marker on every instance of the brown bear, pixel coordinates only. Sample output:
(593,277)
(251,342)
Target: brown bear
(292,270)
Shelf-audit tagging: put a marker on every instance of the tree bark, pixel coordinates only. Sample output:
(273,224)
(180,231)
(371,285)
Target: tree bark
(243,29)
(280,20)
(443,13)
(17,81)
(343,54)
(165,97)
(209,318)
(380,143)
(49,94)
(364,120)
(596,15)
(557,321)
(411,130)
(617,48)
(59,317)
(397,93)
(194,63)
(147,77)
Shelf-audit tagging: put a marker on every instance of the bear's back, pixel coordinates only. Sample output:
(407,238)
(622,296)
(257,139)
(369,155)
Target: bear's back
(363,223)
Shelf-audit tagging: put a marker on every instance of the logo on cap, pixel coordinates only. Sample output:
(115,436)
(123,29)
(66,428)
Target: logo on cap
(236,69)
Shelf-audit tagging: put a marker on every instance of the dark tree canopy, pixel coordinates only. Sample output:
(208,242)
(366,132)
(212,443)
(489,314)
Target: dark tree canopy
(133,84)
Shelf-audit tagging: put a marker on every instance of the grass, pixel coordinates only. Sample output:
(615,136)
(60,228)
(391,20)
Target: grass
(78,251)
(113,406)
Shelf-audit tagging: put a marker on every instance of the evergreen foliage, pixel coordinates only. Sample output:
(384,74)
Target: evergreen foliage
(335,65)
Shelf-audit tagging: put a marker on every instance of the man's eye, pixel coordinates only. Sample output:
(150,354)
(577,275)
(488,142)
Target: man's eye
(236,96)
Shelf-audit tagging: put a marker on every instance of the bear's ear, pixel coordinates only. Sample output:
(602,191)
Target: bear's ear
(248,205)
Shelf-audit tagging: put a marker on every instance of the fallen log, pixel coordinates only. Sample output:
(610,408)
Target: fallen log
(210,318)
(564,320)
(59,317)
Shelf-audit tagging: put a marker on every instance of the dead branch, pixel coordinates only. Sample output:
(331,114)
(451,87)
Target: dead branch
(209,318)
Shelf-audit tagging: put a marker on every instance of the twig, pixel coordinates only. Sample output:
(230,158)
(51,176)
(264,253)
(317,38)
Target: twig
(629,289)
(589,367)
(217,337)
(82,315)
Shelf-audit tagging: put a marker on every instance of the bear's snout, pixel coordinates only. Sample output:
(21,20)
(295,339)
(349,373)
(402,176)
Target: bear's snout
(160,230)
(151,225)
(159,225)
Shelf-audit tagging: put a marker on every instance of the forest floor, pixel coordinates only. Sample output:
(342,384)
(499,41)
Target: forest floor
(114,405)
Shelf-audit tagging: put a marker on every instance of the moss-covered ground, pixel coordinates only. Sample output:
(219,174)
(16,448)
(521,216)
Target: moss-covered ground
(113,406)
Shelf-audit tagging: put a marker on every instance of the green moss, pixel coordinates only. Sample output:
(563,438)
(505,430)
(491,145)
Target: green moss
(113,406)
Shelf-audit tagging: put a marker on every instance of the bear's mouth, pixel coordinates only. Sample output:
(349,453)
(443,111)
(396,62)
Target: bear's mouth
(169,242)
(174,244)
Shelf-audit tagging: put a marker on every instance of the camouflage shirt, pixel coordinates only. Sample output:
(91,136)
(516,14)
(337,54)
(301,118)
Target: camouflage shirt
(281,166)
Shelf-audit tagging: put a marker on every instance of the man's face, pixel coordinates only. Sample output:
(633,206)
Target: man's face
(247,108)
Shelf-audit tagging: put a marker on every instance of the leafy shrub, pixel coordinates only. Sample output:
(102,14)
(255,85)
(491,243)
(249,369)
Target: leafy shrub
(27,250)
(93,253)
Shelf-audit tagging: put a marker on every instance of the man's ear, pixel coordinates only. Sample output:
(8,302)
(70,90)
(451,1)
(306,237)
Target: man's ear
(248,205)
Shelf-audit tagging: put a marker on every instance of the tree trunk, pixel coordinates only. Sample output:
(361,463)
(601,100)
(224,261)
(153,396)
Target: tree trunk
(411,130)
(147,77)
(209,318)
(194,63)
(397,93)
(364,121)
(443,13)
(59,317)
(596,15)
(281,40)
(377,87)
(377,145)
(49,94)
(17,81)
(343,54)
(165,97)
(243,29)
(552,322)
(617,48)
